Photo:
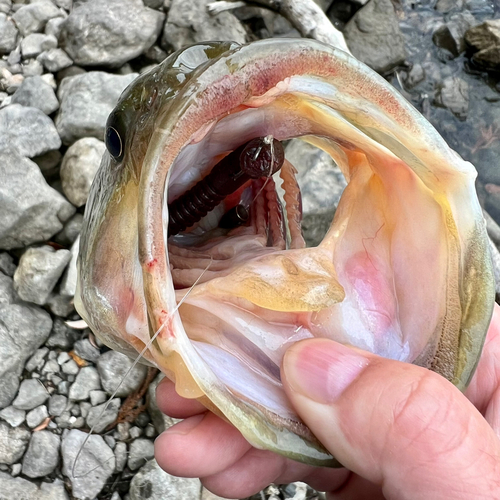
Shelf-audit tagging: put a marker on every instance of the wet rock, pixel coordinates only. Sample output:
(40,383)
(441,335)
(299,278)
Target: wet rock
(79,167)
(141,450)
(36,93)
(454,95)
(28,131)
(68,282)
(8,34)
(87,380)
(7,265)
(32,18)
(31,394)
(13,442)
(23,330)
(189,22)
(113,366)
(451,35)
(109,33)
(54,60)
(86,350)
(95,464)
(96,417)
(85,103)
(374,37)
(57,404)
(31,210)
(38,272)
(485,40)
(13,416)
(42,455)
(153,483)
(36,43)
(36,416)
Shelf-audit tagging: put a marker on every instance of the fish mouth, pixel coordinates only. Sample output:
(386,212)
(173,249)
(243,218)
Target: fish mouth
(402,272)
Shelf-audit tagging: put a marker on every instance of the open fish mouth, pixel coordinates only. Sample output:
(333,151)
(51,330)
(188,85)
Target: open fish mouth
(404,270)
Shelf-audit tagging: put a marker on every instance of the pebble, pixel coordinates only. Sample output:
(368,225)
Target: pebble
(189,22)
(32,18)
(54,26)
(135,432)
(153,483)
(120,455)
(85,103)
(36,416)
(36,43)
(60,305)
(87,380)
(57,404)
(109,33)
(55,60)
(99,420)
(454,95)
(97,397)
(16,469)
(8,34)
(31,210)
(23,330)
(27,131)
(13,443)
(70,368)
(42,455)
(38,271)
(86,350)
(114,370)
(160,421)
(78,169)
(21,489)
(49,162)
(7,265)
(374,37)
(70,231)
(141,450)
(51,367)
(33,68)
(485,42)
(95,464)
(451,35)
(13,416)
(69,279)
(122,431)
(37,360)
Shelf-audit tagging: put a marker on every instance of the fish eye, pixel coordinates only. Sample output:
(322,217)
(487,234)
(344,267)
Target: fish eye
(115,137)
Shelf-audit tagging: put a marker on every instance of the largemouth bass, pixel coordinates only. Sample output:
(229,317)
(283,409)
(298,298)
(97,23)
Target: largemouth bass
(404,270)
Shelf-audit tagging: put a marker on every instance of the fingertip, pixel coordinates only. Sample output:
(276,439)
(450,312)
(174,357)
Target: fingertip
(173,405)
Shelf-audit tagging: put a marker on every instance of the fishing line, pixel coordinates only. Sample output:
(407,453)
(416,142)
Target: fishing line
(134,364)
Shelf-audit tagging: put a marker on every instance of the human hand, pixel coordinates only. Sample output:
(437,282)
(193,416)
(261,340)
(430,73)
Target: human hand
(403,431)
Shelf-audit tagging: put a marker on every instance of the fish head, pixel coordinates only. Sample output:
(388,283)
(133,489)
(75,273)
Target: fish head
(403,271)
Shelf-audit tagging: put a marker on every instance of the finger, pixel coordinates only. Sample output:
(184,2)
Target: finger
(395,424)
(199,446)
(172,404)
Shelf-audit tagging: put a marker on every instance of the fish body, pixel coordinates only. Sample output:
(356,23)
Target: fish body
(404,270)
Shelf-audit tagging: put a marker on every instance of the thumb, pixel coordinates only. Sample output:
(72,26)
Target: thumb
(397,425)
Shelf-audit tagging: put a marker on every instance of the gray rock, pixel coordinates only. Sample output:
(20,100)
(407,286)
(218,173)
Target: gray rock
(114,371)
(454,95)
(122,431)
(57,404)
(51,367)
(49,162)
(135,432)
(189,22)
(7,293)
(8,34)
(36,362)
(54,26)
(32,18)
(16,469)
(415,76)
(374,37)
(28,131)
(13,442)
(38,272)
(60,305)
(160,421)
(86,101)
(55,60)
(70,231)
(445,6)
(98,397)
(23,329)
(95,464)
(31,210)
(70,368)
(451,35)
(68,282)
(9,82)
(21,489)
(79,167)
(36,93)
(52,491)
(7,265)
(36,416)
(153,483)
(5,6)
(36,43)
(120,456)
(86,350)
(32,68)
(87,380)
(42,455)
(13,416)
(99,420)
(109,33)
(485,41)
(141,450)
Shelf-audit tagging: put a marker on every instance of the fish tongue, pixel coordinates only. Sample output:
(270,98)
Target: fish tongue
(288,281)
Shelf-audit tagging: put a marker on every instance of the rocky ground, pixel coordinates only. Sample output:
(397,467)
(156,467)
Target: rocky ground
(63,65)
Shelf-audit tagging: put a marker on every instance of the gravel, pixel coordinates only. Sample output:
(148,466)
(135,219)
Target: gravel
(32,18)
(31,394)
(8,34)
(87,380)
(42,455)
(13,443)
(36,416)
(36,93)
(36,43)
